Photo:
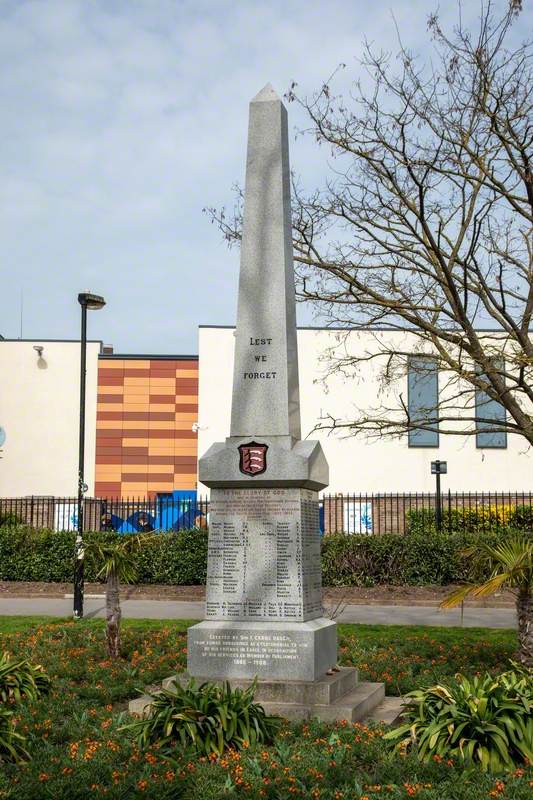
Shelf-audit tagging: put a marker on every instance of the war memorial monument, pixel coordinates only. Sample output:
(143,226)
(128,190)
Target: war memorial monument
(264,616)
(264,612)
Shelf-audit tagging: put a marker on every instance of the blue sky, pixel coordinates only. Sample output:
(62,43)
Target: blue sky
(122,119)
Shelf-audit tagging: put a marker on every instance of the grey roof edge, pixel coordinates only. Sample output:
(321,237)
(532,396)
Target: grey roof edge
(119,356)
(63,341)
(146,356)
(369,328)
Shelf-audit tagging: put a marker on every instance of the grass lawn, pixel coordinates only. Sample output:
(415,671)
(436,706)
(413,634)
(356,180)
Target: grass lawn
(78,750)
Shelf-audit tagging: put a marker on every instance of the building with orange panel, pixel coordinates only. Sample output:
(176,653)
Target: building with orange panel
(146,407)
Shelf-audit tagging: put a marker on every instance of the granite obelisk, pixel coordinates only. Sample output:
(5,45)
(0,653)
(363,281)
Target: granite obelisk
(264,605)
(263,615)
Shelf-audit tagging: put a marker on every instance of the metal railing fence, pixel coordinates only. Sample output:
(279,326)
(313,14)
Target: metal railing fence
(416,512)
(124,515)
(367,513)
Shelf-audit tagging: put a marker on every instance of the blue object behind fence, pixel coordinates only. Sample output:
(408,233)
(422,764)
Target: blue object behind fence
(176,511)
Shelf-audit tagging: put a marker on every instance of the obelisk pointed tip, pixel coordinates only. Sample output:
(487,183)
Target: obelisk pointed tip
(266,95)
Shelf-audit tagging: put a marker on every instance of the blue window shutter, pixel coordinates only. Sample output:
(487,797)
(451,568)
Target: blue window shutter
(487,408)
(423,400)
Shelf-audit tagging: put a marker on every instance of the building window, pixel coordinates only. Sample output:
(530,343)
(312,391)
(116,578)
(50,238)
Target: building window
(423,401)
(489,409)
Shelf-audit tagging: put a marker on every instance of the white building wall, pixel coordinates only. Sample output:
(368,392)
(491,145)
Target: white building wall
(39,410)
(358,464)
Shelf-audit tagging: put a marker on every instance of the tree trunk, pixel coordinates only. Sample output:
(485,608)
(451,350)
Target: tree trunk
(113,615)
(524,611)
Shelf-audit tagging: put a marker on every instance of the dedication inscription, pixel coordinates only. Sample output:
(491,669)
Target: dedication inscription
(264,555)
(249,648)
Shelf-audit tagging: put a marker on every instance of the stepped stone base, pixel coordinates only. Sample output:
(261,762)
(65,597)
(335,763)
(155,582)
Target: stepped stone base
(332,697)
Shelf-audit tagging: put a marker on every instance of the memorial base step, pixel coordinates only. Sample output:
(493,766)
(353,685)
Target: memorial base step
(353,707)
(333,697)
(321,692)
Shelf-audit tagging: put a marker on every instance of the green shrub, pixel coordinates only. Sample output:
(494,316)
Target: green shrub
(209,718)
(36,555)
(483,519)
(11,743)
(20,680)
(44,555)
(486,721)
(175,559)
(420,520)
(521,517)
(10,519)
(415,560)
(501,518)
(181,558)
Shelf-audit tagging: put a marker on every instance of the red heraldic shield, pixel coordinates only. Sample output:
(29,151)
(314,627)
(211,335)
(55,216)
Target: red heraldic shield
(252,458)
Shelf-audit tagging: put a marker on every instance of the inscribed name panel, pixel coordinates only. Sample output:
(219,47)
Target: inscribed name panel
(264,555)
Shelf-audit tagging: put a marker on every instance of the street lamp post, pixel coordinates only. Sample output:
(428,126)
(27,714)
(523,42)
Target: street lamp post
(92,302)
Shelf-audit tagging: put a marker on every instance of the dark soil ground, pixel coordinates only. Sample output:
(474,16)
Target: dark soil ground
(373,595)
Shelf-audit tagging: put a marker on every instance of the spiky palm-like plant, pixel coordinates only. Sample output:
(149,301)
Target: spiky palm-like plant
(510,565)
(114,561)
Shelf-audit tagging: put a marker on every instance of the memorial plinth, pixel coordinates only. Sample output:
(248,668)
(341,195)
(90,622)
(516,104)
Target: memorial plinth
(264,594)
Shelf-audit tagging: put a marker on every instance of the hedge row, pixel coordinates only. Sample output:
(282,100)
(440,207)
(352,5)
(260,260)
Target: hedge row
(181,558)
(176,559)
(417,559)
(502,518)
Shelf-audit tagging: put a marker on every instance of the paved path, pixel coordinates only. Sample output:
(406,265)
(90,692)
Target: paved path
(178,609)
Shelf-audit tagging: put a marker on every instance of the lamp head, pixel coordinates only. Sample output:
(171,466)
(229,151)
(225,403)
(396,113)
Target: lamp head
(39,349)
(91,301)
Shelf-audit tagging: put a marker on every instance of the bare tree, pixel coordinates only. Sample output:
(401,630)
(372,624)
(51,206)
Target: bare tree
(425,224)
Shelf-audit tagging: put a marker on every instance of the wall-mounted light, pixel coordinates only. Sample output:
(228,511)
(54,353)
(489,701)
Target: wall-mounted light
(41,362)
(197,427)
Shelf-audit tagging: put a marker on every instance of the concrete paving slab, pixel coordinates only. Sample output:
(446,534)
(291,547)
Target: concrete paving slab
(429,615)
(178,609)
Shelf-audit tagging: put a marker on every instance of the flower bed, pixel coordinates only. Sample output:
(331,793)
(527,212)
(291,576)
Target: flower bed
(79,751)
